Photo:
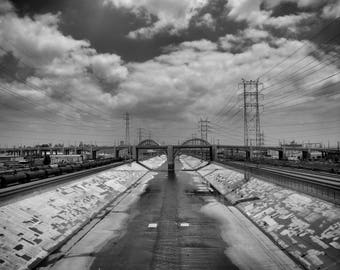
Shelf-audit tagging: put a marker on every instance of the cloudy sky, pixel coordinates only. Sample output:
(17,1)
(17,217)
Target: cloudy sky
(69,70)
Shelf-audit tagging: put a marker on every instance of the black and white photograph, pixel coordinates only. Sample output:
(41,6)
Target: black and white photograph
(170,134)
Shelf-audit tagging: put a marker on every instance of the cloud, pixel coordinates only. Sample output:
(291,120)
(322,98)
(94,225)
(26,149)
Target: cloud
(287,20)
(172,15)
(198,45)
(331,10)
(243,39)
(248,10)
(206,21)
(195,79)
(300,3)
(67,73)
(255,34)
(190,77)
(5,6)
(75,83)
(108,67)
(252,12)
(36,41)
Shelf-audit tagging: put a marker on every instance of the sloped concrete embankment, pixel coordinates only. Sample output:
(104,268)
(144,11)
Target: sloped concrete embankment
(305,227)
(33,227)
(191,163)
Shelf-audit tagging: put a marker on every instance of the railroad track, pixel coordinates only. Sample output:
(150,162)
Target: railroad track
(294,169)
(34,185)
(321,179)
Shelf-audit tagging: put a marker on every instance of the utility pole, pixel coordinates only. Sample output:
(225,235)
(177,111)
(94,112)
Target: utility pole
(127,128)
(139,135)
(262,139)
(251,113)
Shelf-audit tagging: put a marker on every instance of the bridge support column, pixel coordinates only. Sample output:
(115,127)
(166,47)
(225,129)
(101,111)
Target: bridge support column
(305,155)
(281,155)
(133,152)
(171,160)
(116,150)
(137,154)
(213,153)
(249,153)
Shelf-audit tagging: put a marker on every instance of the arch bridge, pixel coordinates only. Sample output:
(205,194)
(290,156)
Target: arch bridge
(148,142)
(194,144)
(196,141)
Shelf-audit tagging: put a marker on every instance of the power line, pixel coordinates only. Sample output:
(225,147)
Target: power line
(84,128)
(298,49)
(28,101)
(302,124)
(273,106)
(302,59)
(220,112)
(49,139)
(31,86)
(37,87)
(311,84)
(297,77)
(58,133)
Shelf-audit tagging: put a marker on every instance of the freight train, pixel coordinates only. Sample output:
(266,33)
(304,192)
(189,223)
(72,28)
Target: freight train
(41,172)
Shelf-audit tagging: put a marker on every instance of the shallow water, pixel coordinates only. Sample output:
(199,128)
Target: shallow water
(184,238)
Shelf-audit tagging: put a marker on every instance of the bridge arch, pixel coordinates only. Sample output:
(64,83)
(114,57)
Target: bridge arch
(148,142)
(196,141)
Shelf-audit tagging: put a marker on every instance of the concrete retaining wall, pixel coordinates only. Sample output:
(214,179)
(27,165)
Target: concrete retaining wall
(32,227)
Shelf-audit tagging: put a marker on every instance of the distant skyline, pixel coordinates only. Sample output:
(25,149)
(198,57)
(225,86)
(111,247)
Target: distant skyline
(69,70)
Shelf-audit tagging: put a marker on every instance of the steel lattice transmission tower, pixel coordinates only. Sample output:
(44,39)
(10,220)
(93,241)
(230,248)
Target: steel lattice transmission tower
(251,113)
(127,128)
(204,128)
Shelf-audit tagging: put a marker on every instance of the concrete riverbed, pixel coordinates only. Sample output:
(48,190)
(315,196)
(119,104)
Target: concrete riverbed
(173,221)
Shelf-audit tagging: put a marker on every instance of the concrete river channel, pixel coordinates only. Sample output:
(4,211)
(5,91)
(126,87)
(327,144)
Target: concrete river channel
(174,220)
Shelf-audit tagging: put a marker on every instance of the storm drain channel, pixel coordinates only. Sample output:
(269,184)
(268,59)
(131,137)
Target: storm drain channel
(167,230)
